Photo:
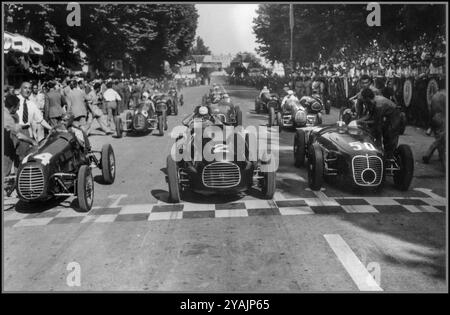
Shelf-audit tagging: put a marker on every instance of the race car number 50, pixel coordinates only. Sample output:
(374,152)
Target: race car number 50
(246,305)
(358,146)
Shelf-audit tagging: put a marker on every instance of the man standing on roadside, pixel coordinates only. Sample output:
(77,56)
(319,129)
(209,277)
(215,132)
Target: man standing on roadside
(76,101)
(56,105)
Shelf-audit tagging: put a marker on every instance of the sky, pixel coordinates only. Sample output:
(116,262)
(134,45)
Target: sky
(227,28)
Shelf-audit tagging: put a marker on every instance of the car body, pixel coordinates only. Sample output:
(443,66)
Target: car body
(61,166)
(224,175)
(297,114)
(349,154)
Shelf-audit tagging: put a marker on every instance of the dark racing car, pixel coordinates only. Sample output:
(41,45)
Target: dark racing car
(222,175)
(267,101)
(143,119)
(348,154)
(227,112)
(61,167)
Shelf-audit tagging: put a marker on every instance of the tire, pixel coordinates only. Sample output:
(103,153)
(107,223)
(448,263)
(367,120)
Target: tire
(129,120)
(161,124)
(238,116)
(299,148)
(165,121)
(118,123)
(318,119)
(257,107)
(85,188)
(175,108)
(315,167)
(269,186)
(108,161)
(279,121)
(181,100)
(271,117)
(327,107)
(403,177)
(173,180)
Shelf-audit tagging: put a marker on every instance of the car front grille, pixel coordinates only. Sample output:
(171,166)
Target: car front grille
(367,170)
(139,121)
(221,175)
(31,182)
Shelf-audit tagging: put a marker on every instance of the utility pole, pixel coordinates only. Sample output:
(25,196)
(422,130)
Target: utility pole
(291,57)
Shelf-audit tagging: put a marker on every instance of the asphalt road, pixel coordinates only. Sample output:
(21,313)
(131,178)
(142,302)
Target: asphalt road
(301,241)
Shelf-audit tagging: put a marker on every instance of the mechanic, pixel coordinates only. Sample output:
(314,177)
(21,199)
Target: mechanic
(289,99)
(364,82)
(16,140)
(384,120)
(438,126)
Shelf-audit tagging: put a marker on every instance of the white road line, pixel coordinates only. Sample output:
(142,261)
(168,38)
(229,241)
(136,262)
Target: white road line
(116,201)
(354,267)
(429,192)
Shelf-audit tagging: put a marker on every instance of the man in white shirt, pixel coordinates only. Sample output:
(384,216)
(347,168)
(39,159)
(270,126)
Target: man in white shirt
(29,113)
(111,97)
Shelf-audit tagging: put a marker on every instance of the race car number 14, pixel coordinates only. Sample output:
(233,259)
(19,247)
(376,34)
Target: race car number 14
(358,146)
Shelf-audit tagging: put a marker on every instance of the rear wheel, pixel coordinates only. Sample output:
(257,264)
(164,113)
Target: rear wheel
(173,180)
(175,108)
(108,161)
(238,116)
(161,124)
(279,121)
(85,188)
(129,120)
(257,107)
(327,107)
(271,117)
(118,123)
(405,159)
(181,100)
(299,148)
(269,184)
(315,167)
(318,119)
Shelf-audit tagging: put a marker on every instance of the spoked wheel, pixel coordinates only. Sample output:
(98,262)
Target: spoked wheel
(279,121)
(85,188)
(405,159)
(299,148)
(108,164)
(173,180)
(315,167)
(269,184)
(118,123)
(238,116)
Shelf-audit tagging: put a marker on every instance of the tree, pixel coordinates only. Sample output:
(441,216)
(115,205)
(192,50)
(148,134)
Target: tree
(200,48)
(325,28)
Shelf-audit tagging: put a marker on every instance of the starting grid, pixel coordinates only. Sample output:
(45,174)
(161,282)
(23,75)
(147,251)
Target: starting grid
(322,205)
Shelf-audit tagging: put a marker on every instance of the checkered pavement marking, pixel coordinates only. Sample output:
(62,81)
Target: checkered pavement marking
(243,208)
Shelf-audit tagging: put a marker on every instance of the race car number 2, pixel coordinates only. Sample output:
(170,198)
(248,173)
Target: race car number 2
(358,146)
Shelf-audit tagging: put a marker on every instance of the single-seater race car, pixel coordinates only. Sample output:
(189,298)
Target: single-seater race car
(228,113)
(142,119)
(297,114)
(176,100)
(264,103)
(60,167)
(348,154)
(221,175)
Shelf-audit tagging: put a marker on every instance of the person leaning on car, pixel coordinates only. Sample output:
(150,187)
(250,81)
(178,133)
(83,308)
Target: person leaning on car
(385,120)
(364,82)
(15,138)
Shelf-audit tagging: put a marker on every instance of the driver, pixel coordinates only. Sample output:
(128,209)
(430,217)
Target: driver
(289,99)
(147,104)
(264,91)
(67,125)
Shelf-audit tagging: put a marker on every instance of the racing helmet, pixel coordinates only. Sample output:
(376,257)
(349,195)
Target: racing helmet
(315,86)
(300,117)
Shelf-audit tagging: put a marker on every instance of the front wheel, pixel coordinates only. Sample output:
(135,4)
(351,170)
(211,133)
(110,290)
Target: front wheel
(299,148)
(238,116)
(280,121)
(108,161)
(269,184)
(403,177)
(118,123)
(318,119)
(315,167)
(173,180)
(85,188)
(271,117)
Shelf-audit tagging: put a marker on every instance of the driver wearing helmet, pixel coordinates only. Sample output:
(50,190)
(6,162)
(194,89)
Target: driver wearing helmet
(264,90)
(147,104)
(289,100)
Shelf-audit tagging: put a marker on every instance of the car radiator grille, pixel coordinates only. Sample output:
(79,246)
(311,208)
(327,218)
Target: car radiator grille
(221,175)
(367,170)
(31,182)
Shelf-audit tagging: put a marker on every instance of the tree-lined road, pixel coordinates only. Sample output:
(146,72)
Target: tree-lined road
(330,240)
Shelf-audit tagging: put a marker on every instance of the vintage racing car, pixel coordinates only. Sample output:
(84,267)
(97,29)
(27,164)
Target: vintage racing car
(348,154)
(221,175)
(267,101)
(176,100)
(61,167)
(141,119)
(228,113)
(297,114)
